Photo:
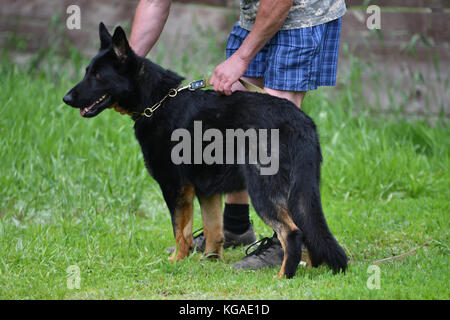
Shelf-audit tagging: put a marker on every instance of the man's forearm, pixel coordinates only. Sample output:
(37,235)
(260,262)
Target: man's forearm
(148,23)
(269,19)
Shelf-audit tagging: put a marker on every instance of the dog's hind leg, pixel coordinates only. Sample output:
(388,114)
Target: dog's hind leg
(212,217)
(182,217)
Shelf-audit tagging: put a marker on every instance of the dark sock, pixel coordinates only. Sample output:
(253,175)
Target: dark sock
(236,218)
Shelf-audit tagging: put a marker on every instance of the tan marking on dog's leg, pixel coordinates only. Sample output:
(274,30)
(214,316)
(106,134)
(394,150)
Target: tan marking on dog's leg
(284,226)
(183,224)
(212,217)
(285,216)
(283,265)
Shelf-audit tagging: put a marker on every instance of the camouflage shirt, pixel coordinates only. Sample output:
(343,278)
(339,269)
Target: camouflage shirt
(303,13)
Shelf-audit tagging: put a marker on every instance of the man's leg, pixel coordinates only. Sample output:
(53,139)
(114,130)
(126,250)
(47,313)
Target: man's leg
(295,96)
(239,198)
(236,213)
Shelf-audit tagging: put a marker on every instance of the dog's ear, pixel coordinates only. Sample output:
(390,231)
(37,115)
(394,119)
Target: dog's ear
(120,44)
(105,36)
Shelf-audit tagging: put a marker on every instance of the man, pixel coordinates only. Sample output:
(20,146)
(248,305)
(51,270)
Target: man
(287,47)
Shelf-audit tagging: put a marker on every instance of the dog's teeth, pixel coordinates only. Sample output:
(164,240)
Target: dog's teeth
(96,102)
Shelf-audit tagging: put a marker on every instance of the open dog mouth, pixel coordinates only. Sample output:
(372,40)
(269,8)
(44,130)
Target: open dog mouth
(96,107)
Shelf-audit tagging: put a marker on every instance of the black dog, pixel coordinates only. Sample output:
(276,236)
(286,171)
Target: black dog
(288,201)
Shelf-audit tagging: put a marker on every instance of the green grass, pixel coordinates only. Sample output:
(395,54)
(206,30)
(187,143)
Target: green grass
(75,191)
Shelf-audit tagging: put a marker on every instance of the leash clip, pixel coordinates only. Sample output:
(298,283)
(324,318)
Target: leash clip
(194,85)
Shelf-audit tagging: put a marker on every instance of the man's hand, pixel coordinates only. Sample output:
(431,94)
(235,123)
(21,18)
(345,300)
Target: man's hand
(269,19)
(227,73)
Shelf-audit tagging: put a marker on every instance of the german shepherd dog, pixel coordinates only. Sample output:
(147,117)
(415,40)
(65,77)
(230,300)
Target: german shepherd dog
(288,201)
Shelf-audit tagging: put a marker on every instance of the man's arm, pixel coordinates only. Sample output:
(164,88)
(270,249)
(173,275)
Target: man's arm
(269,19)
(148,23)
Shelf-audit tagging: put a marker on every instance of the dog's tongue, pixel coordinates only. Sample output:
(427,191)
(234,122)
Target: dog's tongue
(84,110)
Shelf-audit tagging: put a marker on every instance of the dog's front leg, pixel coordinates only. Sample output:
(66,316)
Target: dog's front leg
(212,217)
(182,217)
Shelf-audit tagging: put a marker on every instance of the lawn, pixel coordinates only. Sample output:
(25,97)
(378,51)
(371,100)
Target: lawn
(75,192)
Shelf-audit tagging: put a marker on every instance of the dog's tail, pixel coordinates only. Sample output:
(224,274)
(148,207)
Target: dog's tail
(305,205)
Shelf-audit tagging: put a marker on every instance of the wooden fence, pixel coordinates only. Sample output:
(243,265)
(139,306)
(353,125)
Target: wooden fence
(421,23)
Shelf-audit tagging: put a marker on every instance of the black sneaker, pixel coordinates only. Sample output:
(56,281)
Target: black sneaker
(232,240)
(268,254)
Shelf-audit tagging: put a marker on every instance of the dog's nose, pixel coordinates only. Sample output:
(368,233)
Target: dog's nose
(68,98)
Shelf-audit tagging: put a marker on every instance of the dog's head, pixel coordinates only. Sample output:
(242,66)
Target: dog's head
(108,79)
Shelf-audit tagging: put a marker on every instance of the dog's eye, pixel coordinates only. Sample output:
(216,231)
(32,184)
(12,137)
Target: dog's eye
(97,75)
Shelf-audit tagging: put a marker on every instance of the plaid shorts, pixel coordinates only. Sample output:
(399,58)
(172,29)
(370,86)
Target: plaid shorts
(294,60)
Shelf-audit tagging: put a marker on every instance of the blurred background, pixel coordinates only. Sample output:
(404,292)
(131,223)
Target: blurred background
(402,67)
